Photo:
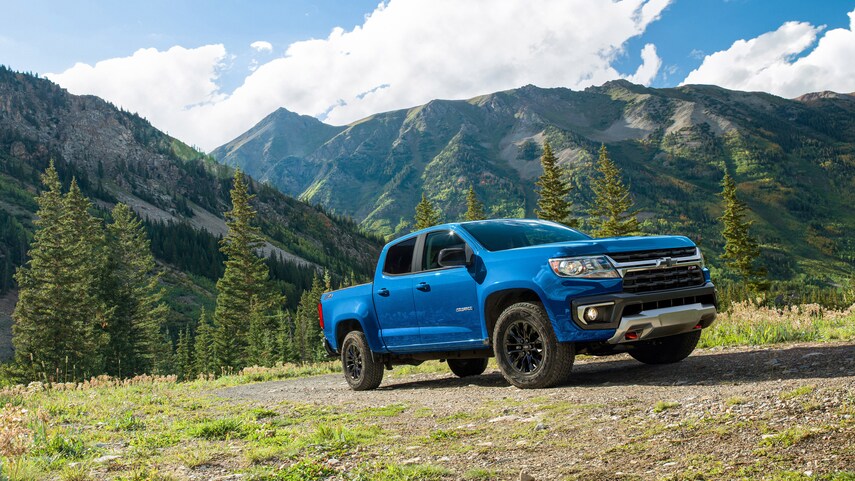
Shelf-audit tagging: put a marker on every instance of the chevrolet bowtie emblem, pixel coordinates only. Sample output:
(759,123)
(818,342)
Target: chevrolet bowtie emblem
(665,262)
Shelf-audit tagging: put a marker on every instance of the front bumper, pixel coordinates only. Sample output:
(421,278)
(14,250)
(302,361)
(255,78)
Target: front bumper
(663,322)
(636,317)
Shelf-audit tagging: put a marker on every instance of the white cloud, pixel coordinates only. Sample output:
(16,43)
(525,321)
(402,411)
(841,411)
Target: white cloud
(162,86)
(405,54)
(781,63)
(262,46)
(649,68)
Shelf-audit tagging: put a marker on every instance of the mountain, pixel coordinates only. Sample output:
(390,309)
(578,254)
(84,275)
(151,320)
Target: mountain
(180,192)
(794,161)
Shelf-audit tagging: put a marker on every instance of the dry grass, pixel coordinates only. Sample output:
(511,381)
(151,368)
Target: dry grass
(749,324)
(15,436)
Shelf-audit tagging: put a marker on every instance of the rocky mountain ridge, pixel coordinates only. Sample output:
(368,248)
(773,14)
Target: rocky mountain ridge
(793,159)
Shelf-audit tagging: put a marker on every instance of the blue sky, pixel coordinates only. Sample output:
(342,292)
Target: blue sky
(690,28)
(51,36)
(200,79)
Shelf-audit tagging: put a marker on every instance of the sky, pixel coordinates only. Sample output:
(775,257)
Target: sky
(206,71)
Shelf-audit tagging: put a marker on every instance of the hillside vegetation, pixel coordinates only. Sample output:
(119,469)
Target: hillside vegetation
(793,161)
(180,192)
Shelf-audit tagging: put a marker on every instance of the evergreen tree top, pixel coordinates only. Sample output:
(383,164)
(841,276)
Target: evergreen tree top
(612,213)
(553,190)
(426,214)
(474,207)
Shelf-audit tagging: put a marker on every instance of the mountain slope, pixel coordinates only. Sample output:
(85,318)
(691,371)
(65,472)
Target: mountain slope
(794,161)
(182,193)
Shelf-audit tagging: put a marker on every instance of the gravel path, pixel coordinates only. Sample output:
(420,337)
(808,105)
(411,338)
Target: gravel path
(734,411)
(710,372)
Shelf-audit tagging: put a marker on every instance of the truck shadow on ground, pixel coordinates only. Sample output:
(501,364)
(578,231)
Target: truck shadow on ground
(704,368)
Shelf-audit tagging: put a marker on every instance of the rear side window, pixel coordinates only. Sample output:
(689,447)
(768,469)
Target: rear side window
(399,257)
(435,242)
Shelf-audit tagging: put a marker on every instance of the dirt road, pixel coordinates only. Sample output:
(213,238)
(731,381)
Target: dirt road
(719,414)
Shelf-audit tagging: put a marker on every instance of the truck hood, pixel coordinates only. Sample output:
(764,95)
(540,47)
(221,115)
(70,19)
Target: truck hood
(610,245)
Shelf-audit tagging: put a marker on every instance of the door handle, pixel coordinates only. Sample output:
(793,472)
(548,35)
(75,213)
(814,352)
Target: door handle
(383,292)
(423,286)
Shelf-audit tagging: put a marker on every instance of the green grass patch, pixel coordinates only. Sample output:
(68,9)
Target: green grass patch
(797,392)
(303,470)
(662,406)
(389,411)
(481,474)
(261,413)
(787,438)
(221,429)
(395,472)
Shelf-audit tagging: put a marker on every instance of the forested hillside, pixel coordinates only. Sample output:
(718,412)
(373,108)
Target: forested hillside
(793,161)
(180,192)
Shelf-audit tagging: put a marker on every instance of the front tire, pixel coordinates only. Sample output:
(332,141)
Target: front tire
(667,350)
(527,351)
(361,370)
(467,367)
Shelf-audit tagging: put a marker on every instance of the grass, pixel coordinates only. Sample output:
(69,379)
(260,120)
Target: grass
(222,429)
(662,406)
(748,325)
(797,392)
(787,437)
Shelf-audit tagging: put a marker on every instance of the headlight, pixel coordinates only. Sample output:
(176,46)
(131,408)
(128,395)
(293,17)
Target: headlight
(597,267)
(703,261)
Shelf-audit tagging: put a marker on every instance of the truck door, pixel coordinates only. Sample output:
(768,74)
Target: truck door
(446,298)
(393,298)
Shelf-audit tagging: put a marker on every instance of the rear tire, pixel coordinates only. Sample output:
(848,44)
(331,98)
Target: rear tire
(361,370)
(527,351)
(667,350)
(467,367)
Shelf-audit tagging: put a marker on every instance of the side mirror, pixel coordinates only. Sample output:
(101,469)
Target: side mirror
(453,257)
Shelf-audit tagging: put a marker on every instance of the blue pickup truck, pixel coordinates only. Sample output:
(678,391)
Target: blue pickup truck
(531,293)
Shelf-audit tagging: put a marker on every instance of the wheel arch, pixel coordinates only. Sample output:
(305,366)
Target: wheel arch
(498,301)
(345,326)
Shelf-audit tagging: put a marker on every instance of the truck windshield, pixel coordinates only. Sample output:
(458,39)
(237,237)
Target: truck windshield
(499,235)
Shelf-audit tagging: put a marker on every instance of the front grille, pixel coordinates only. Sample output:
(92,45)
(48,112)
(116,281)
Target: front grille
(662,279)
(652,255)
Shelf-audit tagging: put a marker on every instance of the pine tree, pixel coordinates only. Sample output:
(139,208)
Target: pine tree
(42,319)
(59,317)
(137,301)
(426,214)
(259,343)
(553,190)
(285,350)
(612,213)
(308,337)
(316,333)
(302,328)
(474,207)
(164,363)
(184,366)
(740,249)
(203,346)
(245,277)
(87,255)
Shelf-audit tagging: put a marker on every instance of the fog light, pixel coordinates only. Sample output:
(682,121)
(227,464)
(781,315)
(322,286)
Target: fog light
(591,314)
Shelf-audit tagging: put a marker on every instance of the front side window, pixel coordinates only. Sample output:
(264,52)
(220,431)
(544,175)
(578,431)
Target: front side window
(434,243)
(399,257)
